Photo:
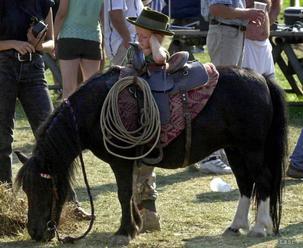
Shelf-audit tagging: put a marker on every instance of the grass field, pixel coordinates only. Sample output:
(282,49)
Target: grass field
(191,215)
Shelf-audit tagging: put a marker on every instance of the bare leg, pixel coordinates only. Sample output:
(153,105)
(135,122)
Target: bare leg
(69,71)
(89,67)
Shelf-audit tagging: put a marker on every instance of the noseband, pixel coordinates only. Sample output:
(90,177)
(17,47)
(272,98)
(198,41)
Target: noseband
(51,225)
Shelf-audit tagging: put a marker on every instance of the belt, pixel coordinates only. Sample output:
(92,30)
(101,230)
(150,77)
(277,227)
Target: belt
(28,57)
(240,27)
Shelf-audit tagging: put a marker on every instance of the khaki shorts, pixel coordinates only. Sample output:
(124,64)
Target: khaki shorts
(225,45)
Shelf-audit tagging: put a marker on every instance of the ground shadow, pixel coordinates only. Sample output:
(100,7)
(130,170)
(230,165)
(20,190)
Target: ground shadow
(292,181)
(162,181)
(286,239)
(213,197)
(179,177)
(95,191)
(94,239)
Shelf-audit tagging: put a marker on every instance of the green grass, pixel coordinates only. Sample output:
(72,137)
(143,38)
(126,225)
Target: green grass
(191,215)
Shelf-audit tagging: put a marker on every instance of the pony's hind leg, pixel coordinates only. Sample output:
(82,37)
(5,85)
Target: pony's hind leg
(263,224)
(240,220)
(130,221)
(245,184)
(257,174)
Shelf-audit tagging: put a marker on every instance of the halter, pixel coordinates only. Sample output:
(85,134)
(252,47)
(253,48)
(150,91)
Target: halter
(45,176)
(51,225)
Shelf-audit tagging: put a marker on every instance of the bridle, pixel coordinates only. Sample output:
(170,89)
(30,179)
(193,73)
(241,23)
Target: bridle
(51,225)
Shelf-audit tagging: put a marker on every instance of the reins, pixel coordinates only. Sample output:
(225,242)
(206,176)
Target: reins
(52,225)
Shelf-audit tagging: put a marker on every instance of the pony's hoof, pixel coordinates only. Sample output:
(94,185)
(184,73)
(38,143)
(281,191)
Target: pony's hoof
(119,241)
(255,234)
(231,232)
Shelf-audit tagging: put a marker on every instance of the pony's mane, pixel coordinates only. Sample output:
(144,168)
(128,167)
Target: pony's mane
(55,143)
(57,139)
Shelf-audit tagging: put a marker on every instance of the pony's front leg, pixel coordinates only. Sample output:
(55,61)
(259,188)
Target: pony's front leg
(131,220)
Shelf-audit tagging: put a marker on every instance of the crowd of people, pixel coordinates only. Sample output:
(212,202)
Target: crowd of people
(80,32)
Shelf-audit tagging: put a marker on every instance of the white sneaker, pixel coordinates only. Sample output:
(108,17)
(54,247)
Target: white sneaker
(212,165)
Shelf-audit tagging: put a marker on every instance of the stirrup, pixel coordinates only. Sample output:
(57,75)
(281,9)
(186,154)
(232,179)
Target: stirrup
(177,61)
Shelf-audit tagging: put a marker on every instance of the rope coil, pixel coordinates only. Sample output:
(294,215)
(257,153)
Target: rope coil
(112,126)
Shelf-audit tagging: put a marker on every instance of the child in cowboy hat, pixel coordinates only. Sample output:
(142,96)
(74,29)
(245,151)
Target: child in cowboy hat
(151,27)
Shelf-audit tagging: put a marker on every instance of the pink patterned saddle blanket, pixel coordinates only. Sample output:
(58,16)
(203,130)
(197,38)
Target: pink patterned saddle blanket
(197,99)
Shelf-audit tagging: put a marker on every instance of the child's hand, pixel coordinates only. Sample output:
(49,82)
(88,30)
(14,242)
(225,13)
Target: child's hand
(158,52)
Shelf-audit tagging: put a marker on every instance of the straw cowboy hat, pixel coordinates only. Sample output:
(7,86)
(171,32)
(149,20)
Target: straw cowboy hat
(152,20)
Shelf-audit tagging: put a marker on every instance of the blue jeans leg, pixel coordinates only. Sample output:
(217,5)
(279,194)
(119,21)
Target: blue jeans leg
(8,94)
(26,82)
(36,102)
(297,156)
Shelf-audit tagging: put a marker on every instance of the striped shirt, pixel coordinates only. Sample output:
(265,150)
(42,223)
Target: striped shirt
(112,38)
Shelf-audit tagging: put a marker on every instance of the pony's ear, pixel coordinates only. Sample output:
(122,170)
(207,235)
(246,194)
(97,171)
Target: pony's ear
(23,159)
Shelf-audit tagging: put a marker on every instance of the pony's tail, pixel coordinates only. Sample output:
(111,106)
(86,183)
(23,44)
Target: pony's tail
(275,152)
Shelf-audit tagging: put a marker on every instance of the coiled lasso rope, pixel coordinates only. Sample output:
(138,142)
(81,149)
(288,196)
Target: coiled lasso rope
(112,125)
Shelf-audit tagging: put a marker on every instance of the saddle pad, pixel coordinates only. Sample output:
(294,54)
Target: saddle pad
(197,99)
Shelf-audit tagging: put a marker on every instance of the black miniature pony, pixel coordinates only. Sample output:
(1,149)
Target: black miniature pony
(245,116)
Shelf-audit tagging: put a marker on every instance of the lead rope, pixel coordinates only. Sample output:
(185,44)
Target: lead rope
(70,239)
(112,126)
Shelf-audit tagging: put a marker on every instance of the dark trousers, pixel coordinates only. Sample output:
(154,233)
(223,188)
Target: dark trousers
(23,81)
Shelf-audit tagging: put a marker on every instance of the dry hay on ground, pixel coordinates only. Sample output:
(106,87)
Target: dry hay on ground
(69,221)
(13,214)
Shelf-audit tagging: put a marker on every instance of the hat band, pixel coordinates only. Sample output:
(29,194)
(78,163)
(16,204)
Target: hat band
(153,24)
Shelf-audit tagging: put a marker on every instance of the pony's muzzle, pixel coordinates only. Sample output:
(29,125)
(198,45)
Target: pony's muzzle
(42,234)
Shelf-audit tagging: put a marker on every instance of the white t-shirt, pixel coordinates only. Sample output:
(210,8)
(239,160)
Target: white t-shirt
(112,39)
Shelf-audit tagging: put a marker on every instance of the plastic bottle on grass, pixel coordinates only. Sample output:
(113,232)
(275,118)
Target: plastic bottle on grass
(219,185)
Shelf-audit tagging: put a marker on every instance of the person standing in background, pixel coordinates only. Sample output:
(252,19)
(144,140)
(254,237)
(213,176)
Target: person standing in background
(78,35)
(295,168)
(227,23)
(22,69)
(257,53)
(117,31)
(274,10)
(157,5)
(225,41)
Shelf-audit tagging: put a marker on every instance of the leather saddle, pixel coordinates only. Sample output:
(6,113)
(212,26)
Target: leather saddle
(180,75)
(164,83)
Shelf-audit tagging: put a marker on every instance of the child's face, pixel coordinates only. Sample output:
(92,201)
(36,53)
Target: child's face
(143,37)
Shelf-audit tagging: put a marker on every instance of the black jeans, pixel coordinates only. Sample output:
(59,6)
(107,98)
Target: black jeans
(24,81)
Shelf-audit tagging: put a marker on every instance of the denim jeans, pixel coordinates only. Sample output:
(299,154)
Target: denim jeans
(24,81)
(297,156)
